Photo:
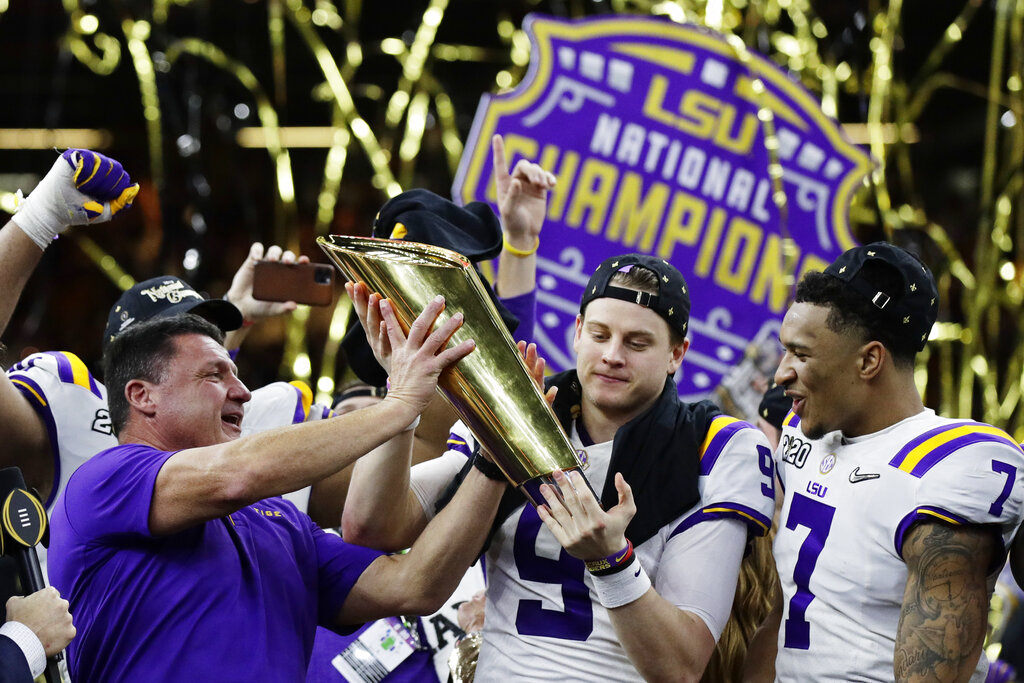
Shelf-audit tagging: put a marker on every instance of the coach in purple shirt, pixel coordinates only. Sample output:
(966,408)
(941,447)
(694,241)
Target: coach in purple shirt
(176,557)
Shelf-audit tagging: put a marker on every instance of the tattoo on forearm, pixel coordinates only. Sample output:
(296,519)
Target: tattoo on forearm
(945,606)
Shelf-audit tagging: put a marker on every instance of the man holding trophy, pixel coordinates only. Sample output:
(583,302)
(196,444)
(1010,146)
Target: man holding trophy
(637,582)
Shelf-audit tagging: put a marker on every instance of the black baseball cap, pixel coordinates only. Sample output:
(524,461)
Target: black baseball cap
(672,302)
(422,216)
(775,405)
(914,303)
(163,297)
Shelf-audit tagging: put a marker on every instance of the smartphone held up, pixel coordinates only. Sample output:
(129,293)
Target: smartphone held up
(303,283)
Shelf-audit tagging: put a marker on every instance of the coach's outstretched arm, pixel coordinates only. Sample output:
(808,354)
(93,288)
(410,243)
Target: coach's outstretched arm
(199,484)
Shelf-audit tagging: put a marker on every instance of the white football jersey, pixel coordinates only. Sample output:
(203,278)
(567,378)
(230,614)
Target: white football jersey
(848,506)
(280,404)
(73,404)
(543,619)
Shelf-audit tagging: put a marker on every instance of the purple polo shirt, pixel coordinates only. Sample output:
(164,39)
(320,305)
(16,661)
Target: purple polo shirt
(233,599)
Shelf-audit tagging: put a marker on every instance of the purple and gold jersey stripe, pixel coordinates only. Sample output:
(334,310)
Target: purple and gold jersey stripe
(791,419)
(71,370)
(37,399)
(924,513)
(721,430)
(458,444)
(757,522)
(930,448)
(305,395)
(32,391)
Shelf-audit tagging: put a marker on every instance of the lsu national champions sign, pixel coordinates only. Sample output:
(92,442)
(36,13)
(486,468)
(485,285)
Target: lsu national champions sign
(652,130)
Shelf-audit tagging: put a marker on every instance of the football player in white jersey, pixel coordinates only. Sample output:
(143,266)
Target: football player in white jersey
(56,410)
(895,521)
(604,608)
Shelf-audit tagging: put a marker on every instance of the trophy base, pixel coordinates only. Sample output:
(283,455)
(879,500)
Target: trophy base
(531,488)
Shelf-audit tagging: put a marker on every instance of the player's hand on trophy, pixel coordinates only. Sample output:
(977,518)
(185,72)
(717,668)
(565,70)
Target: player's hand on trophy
(418,358)
(535,364)
(576,519)
(81,187)
(240,292)
(522,197)
(367,308)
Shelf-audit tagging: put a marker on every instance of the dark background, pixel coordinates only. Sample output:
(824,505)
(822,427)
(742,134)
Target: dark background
(231,189)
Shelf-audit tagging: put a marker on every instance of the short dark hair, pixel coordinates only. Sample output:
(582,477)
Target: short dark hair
(142,351)
(851,312)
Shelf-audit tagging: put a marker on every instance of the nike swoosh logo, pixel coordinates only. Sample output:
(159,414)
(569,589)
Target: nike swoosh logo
(637,571)
(619,558)
(856,476)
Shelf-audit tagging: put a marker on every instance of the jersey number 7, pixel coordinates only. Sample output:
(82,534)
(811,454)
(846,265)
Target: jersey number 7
(817,517)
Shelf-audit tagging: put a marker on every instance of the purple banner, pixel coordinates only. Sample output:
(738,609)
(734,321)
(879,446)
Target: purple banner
(652,129)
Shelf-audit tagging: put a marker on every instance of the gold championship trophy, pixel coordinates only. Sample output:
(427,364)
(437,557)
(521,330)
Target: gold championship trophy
(491,389)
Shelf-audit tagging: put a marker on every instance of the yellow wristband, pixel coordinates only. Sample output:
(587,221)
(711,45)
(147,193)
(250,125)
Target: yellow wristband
(519,252)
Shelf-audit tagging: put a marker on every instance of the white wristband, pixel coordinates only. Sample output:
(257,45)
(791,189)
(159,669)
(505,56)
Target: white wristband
(413,425)
(621,588)
(48,211)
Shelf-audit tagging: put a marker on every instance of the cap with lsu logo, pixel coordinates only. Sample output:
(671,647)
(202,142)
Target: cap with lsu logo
(166,296)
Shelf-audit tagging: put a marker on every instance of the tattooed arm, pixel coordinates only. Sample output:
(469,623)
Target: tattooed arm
(945,605)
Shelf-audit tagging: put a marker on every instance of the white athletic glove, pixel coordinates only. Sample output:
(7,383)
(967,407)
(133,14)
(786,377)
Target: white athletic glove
(82,187)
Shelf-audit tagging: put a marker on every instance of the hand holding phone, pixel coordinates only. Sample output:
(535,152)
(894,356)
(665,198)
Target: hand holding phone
(303,283)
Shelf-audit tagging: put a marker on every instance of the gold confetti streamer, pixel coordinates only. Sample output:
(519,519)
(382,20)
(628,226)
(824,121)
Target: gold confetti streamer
(974,364)
(285,215)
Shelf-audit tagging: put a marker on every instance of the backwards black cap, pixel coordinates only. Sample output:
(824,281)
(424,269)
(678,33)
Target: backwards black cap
(163,297)
(912,306)
(672,302)
(422,216)
(775,405)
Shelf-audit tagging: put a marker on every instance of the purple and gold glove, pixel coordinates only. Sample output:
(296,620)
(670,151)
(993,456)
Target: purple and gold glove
(82,187)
